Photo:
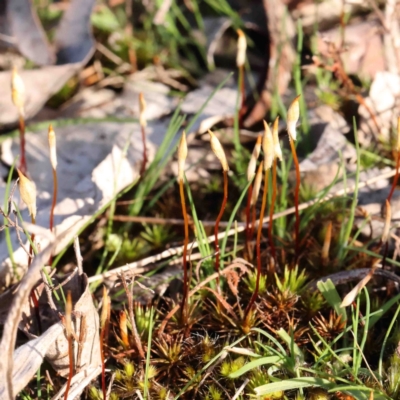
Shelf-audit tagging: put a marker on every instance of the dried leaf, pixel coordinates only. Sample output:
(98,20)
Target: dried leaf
(29,357)
(350,297)
(30,37)
(74,40)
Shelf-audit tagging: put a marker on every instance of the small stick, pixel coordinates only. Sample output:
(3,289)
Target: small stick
(220,154)
(18,98)
(268,149)
(292,118)
(143,124)
(182,154)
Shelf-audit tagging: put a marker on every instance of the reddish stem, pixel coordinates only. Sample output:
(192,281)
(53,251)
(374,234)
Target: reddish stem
(389,198)
(242,109)
(253,221)
(54,200)
(53,206)
(296,200)
(185,298)
(271,211)
(258,245)
(248,209)
(103,365)
(218,220)
(22,166)
(71,365)
(144,161)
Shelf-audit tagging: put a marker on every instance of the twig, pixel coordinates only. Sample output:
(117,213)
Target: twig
(78,255)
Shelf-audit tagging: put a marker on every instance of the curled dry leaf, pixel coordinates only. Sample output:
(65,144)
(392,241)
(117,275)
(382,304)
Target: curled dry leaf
(85,326)
(350,297)
(13,319)
(29,357)
(29,34)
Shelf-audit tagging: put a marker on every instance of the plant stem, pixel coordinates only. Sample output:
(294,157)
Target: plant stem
(54,200)
(185,298)
(71,365)
(395,179)
(30,258)
(296,199)
(103,366)
(248,211)
(22,165)
(271,211)
(144,160)
(389,198)
(258,245)
(53,206)
(218,220)
(242,89)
